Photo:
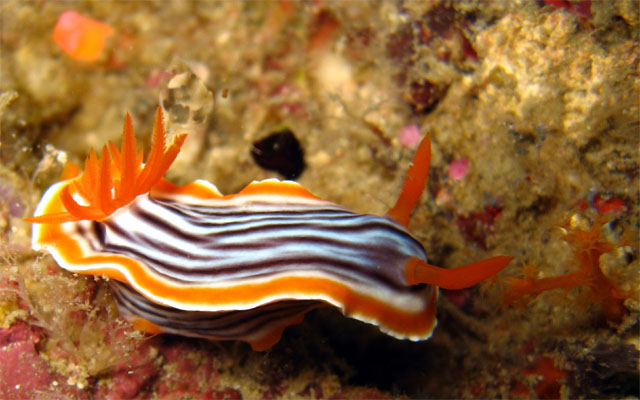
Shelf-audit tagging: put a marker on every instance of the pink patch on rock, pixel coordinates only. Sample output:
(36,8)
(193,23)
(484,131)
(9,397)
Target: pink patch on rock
(608,205)
(193,371)
(459,298)
(225,394)
(156,77)
(458,169)
(23,374)
(476,226)
(409,136)
(131,376)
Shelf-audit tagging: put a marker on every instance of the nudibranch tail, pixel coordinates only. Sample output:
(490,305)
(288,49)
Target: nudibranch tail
(417,271)
(117,177)
(414,184)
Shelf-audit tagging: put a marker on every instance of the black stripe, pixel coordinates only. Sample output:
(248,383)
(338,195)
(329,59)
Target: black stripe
(381,259)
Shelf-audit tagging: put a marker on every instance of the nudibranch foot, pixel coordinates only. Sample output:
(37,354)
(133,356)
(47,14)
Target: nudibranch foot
(261,327)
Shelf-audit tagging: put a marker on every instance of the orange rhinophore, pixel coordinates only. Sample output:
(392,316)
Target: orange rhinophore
(107,184)
(82,38)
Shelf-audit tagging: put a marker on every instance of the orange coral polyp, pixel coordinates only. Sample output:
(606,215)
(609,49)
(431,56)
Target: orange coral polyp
(81,37)
(117,178)
(587,246)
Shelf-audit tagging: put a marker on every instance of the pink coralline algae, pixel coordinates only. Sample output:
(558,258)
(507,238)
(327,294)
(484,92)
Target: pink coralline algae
(130,377)
(409,136)
(458,169)
(23,373)
(476,226)
(580,8)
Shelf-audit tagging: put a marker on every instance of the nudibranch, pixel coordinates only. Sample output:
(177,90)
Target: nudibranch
(188,260)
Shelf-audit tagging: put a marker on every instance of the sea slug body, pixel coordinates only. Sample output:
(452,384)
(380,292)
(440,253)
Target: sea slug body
(191,261)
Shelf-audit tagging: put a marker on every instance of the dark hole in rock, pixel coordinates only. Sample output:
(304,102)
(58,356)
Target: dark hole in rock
(280,152)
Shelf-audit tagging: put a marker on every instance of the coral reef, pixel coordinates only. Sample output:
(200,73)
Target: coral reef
(533,114)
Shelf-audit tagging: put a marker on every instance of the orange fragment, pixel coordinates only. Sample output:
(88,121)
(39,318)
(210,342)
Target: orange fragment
(82,38)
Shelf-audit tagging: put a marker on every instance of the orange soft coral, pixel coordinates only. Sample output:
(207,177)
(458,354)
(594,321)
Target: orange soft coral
(81,37)
(117,178)
(588,246)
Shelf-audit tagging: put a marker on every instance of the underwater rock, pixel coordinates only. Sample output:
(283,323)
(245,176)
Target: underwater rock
(23,374)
